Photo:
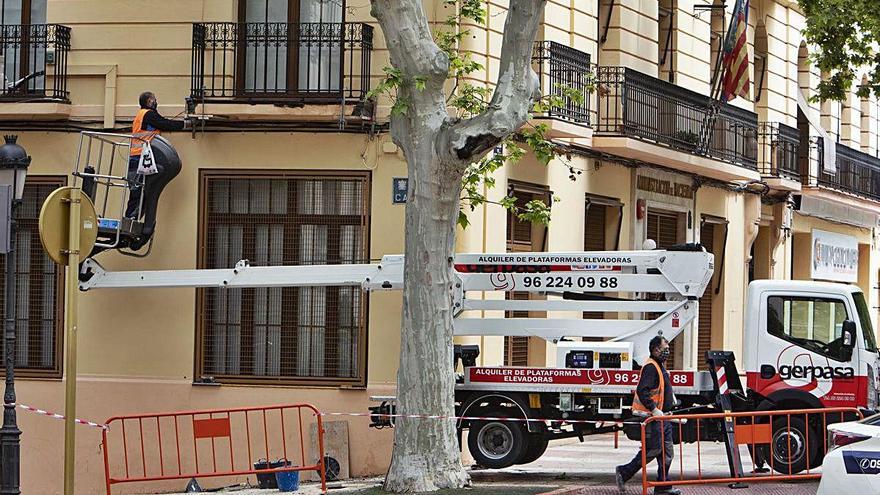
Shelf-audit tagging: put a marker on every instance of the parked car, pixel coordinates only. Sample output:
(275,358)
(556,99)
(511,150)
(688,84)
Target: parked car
(852,464)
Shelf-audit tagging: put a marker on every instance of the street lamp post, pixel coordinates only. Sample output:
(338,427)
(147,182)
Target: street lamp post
(14,162)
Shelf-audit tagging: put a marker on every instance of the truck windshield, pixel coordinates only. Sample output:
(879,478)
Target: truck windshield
(865,320)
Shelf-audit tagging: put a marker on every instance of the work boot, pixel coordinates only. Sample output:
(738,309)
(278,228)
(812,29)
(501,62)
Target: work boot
(618,478)
(667,491)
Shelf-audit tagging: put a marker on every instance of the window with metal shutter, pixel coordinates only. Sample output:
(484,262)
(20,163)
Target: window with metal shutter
(663,228)
(286,335)
(520,239)
(594,240)
(704,330)
(519,233)
(516,349)
(39,301)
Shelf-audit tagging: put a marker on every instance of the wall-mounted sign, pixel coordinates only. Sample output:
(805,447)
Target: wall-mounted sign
(665,187)
(399,188)
(835,257)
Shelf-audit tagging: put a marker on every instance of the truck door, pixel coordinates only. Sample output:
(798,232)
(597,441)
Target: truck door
(867,350)
(801,351)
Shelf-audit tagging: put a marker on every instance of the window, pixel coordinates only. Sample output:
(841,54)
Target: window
(521,238)
(601,216)
(813,323)
(289,335)
(666,40)
(39,290)
(761,59)
(14,14)
(272,64)
(865,320)
(718,26)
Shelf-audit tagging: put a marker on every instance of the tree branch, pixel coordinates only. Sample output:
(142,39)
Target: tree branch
(409,39)
(516,91)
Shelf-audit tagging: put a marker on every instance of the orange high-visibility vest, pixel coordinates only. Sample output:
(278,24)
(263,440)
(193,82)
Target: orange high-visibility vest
(138,131)
(657,394)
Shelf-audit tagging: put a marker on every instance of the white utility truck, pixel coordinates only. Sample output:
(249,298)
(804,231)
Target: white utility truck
(806,344)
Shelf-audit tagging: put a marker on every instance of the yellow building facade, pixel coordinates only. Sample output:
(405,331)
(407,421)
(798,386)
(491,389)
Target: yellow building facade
(291,164)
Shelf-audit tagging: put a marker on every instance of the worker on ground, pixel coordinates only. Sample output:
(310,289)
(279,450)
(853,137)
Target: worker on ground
(653,397)
(147,125)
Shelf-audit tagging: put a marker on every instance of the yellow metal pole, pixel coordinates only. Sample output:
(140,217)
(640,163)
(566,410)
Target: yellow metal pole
(70,319)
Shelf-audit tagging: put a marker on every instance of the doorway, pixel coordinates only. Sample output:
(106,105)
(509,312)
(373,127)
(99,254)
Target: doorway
(665,228)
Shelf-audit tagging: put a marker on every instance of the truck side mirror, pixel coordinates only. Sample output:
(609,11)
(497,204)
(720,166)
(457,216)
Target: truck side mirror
(849,338)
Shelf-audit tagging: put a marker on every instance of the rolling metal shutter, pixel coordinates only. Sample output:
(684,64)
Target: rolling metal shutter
(704,330)
(594,240)
(663,228)
(520,239)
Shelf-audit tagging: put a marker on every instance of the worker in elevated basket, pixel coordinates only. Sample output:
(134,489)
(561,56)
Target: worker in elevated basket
(147,125)
(653,397)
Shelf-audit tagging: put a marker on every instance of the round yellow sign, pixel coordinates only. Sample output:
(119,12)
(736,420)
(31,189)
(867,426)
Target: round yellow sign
(55,225)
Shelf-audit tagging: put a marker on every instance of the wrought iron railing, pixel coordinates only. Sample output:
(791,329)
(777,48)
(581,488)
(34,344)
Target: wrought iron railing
(634,104)
(779,145)
(35,57)
(857,173)
(562,68)
(281,62)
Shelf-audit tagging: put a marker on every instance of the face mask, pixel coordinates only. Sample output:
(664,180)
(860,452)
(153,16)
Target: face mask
(154,105)
(663,355)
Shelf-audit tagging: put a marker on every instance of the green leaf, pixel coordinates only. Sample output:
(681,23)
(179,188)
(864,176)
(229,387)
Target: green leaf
(463,219)
(508,202)
(400,107)
(844,38)
(535,211)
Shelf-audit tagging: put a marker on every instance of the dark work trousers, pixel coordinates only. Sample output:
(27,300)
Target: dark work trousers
(653,442)
(134,193)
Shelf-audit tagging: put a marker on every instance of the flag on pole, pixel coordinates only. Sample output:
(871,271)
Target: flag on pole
(736,55)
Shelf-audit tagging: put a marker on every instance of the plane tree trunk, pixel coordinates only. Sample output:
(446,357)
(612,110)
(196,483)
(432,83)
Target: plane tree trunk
(438,148)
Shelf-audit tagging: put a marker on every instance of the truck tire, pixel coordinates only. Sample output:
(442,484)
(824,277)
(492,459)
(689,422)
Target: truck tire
(497,444)
(537,445)
(790,449)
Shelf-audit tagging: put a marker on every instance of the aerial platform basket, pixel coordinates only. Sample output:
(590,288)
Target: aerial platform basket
(102,170)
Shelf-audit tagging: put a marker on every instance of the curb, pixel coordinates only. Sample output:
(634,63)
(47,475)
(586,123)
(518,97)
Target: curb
(565,490)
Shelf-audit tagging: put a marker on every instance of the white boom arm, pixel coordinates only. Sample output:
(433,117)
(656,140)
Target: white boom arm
(682,276)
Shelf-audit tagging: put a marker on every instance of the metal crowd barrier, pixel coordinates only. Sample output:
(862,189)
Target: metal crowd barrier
(211,443)
(767,435)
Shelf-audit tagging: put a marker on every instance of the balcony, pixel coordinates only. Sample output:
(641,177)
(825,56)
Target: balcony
(560,68)
(778,147)
(645,118)
(857,173)
(287,67)
(35,71)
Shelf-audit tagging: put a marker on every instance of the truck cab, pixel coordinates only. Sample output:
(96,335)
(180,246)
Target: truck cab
(809,345)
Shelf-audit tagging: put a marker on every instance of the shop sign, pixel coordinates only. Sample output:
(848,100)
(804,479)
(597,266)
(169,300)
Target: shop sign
(835,257)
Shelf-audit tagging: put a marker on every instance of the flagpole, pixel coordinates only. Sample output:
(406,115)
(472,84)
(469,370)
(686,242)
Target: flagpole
(720,68)
(719,60)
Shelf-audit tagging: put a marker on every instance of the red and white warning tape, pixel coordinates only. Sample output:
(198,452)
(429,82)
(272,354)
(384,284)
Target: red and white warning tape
(60,416)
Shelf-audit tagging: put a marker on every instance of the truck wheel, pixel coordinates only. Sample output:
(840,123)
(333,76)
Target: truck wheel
(790,450)
(537,444)
(497,444)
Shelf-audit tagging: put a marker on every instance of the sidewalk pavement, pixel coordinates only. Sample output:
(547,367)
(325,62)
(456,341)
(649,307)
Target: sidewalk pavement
(570,467)
(588,469)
